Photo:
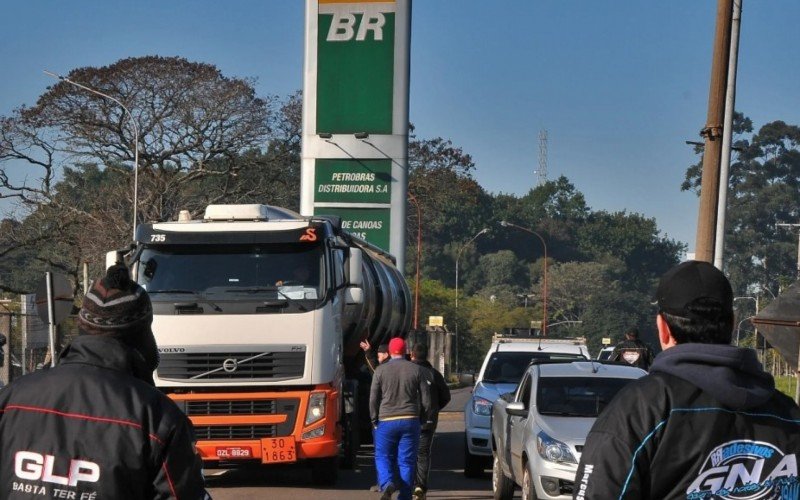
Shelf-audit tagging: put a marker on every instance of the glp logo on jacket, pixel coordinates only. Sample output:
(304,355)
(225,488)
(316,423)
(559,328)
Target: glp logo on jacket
(36,467)
(744,469)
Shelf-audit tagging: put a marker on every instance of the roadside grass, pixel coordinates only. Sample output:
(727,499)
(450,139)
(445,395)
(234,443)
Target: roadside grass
(787,385)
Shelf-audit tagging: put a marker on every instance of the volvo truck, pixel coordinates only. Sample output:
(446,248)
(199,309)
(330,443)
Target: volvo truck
(258,313)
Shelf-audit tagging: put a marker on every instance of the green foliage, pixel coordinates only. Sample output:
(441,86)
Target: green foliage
(787,385)
(763,191)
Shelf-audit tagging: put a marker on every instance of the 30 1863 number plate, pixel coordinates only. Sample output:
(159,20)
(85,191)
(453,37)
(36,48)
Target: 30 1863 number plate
(276,450)
(234,452)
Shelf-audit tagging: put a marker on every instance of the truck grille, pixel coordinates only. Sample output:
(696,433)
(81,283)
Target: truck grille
(219,409)
(208,366)
(257,407)
(234,431)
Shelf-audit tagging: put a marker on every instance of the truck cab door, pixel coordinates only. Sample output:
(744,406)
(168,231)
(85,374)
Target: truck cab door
(516,428)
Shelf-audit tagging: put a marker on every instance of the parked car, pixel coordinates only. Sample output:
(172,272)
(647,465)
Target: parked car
(501,371)
(605,353)
(538,431)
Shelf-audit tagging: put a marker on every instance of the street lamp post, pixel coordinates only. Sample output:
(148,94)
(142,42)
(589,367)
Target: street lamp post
(458,257)
(412,198)
(739,326)
(754,299)
(135,139)
(544,278)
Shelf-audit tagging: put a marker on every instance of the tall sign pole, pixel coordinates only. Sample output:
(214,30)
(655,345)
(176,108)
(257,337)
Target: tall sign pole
(355,117)
(712,153)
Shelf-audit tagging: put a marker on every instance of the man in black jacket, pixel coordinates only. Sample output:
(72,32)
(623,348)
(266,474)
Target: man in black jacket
(706,423)
(440,396)
(633,351)
(94,426)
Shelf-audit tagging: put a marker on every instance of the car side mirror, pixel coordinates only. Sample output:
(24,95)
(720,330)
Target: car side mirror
(517,409)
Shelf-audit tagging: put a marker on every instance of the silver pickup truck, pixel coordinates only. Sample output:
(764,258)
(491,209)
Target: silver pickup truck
(539,430)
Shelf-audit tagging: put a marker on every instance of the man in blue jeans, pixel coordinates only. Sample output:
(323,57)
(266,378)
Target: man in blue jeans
(399,394)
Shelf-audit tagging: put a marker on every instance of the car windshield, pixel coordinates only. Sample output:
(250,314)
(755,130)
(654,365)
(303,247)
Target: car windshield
(508,367)
(219,272)
(576,396)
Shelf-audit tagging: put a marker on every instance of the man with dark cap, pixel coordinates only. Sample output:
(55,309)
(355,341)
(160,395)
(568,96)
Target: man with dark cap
(400,393)
(440,396)
(374,358)
(94,426)
(706,422)
(633,351)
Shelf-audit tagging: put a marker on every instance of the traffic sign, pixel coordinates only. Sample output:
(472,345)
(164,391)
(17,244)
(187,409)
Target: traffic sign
(63,298)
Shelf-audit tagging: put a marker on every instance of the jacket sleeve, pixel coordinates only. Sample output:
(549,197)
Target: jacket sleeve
(443,390)
(180,473)
(605,470)
(425,387)
(375,397)
(372,359)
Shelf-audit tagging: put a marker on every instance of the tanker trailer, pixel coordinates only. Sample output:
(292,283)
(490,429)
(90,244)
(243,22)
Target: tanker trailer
(258,313)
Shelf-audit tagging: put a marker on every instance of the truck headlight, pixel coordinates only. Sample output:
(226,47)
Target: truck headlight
(481,406)
(553,450)
(316,407)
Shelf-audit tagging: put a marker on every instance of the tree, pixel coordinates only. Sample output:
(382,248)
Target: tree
(198,132)
(764,190)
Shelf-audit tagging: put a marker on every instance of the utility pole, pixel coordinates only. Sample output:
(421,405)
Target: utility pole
(709,190)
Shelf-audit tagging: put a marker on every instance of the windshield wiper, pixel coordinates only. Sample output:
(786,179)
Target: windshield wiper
(185,305)
(285,299)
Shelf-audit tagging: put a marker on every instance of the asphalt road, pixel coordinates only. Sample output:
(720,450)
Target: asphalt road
(293,483)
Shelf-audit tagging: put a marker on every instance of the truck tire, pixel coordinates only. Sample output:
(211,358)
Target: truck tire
(351,442)
(324,471)
(473,464)
(502,486)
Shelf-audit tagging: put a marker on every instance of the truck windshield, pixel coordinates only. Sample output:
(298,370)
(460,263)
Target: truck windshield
(576,396)
(286,271)
(508,367)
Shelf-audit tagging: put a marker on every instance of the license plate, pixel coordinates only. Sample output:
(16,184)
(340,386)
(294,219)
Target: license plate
(229,452)
(276,450)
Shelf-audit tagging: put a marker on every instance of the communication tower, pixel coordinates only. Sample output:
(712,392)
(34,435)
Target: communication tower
(542,172)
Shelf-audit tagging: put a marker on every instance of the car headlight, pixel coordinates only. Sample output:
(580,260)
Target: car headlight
(316,407)
(553,450)
(481,406)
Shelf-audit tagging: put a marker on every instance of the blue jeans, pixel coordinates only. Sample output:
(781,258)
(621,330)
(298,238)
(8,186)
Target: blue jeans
(396,444)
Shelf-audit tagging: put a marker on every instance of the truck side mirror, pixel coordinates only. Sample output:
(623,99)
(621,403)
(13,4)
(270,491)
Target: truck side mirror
(355,262)
(353,295)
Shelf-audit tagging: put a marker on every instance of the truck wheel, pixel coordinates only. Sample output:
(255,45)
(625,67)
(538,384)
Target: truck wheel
(502,486)
(473,465)
(324,471)
(351,442)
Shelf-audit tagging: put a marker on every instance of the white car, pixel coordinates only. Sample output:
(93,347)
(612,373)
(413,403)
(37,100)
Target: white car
(538,432)
(502,369)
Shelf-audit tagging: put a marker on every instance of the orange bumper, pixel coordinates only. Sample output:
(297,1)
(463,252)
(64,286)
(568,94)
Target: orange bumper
(265,426)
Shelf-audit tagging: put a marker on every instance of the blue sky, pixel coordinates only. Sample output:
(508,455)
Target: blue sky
(618,84)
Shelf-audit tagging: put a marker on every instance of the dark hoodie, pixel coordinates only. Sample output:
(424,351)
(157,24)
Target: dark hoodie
(732,374)
(706,423)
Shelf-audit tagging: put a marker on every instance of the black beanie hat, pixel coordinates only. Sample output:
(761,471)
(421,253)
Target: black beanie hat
(115,305)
